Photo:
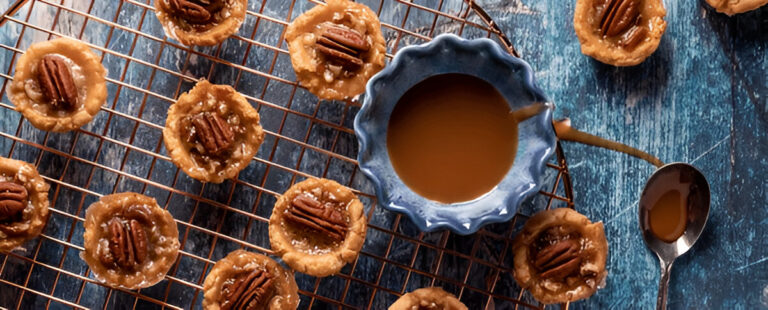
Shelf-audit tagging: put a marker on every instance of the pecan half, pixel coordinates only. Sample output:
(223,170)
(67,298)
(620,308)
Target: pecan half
(56,82)
(196,11)
(558,260)
(13,200)
(633,37)
(342,45)
(307,211)
(618,15)
(213,132)
(128,244)
(248,292)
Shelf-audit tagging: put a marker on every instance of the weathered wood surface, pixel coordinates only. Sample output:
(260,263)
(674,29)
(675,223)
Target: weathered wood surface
(701,98)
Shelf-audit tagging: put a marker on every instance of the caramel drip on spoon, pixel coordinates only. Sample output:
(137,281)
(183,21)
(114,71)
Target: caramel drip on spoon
(565,132)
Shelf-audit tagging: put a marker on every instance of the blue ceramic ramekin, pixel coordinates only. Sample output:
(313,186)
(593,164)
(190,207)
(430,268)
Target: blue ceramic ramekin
(481,58)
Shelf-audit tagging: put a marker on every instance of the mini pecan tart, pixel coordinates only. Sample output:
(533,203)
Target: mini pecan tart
(560,256)
(200,22)
(335,48)
(212,132)
(246,280)
(431,298)
(59,85)
(619,32)
(317,227)
(129,240)
(732,7)
(23,203)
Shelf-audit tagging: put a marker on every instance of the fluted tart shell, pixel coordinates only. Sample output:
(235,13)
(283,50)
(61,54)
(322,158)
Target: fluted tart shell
(241,262)
(232,107)
(162,235)
(14,233)
(609,49)
(592,250)
(87,73)
(732,7)
(307,250)
(428,298)
(226,22)
(311,66)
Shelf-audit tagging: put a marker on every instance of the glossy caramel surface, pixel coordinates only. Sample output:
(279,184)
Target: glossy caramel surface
(450,138)
(668,216)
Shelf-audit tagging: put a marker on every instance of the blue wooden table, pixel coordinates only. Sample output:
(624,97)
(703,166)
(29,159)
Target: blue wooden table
(702,98)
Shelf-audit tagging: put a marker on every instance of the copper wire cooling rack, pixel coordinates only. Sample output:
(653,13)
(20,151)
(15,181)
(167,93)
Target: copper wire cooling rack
(122,150)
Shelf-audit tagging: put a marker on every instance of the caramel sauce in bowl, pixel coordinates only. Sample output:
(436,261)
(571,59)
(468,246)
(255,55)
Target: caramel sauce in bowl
(454,134)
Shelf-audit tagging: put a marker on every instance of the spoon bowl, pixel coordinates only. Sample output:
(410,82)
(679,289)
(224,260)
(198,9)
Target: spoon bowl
(693,188)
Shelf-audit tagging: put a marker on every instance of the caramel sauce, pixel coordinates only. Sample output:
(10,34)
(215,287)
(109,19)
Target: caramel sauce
(566,132)
(451,138)
(668,216)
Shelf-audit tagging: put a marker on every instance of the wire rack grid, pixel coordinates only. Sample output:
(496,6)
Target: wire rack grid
(122,150)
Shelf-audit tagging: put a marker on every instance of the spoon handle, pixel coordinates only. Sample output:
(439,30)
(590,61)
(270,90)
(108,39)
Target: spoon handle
(666,269)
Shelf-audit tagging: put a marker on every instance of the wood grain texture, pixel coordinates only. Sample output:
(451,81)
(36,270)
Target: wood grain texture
(702,98)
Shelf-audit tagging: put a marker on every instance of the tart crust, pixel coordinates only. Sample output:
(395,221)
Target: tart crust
(241,262)
(594,44)
(163,237)
(13,234)
(88,74)
(309,65)
(231,106)
(593,250)
(299,249)
(428,298)
(229,19)
(732,7)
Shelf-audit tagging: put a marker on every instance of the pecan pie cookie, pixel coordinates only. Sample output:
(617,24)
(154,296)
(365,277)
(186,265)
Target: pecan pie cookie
(560,256)
(200,22)
(432,298)
(335,48)
(129,240)
(59,85)
(23,203)
(212,132)
(317,226)
(619,32)
(731,7)
(246,280)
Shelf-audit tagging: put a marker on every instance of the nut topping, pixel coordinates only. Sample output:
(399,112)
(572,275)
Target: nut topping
(633,37)
(342,45)
(618,16)
(307,211)
(558,260)
(248,292)
(13,200)
(128,244)
(56,82)
(196,11)
(212,132)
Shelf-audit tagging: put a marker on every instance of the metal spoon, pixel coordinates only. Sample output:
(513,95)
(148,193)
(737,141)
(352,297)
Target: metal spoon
(686,179)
